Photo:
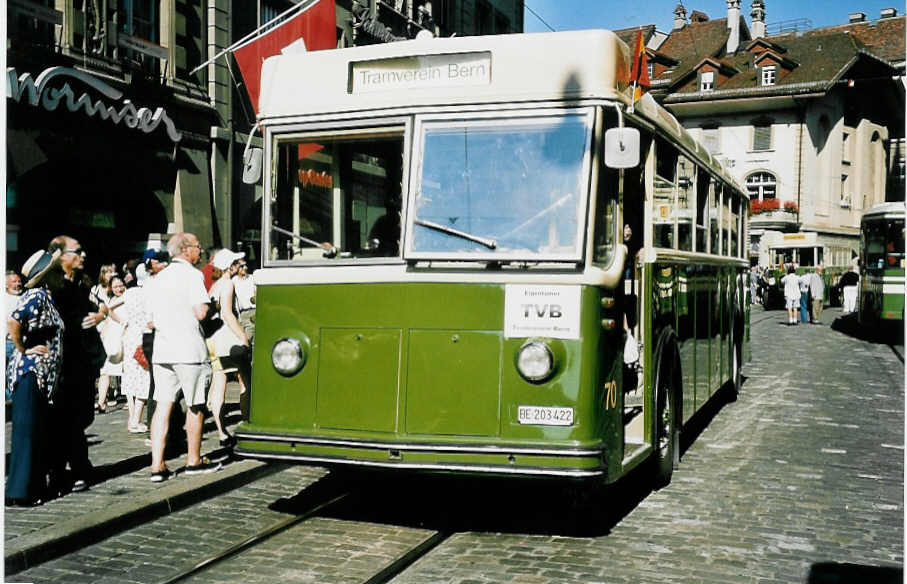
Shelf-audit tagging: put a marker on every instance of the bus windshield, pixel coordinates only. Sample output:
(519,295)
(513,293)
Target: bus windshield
(502,189)
(884,243)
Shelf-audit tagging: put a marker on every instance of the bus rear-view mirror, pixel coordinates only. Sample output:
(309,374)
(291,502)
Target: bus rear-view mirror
(251,172)
(621,147)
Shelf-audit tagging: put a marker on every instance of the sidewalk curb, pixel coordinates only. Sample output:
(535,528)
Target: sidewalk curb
(62,538)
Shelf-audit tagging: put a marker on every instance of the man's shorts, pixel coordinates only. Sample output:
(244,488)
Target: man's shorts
(789,303)
(193,379)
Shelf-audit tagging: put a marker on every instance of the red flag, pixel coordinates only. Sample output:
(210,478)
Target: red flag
(315,24)
(639,72)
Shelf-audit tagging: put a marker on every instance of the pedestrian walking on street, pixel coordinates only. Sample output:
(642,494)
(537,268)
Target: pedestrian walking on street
(817,293)
(791,283)
(804,298)
(73,410)
(33,373)
(177,302)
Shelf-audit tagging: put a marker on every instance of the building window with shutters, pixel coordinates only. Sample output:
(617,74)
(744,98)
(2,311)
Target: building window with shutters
(762,135)
(769,74)
(761,185)
(707,81)
(710,139)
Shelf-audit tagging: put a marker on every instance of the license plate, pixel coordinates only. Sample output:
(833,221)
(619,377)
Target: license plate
(545,416)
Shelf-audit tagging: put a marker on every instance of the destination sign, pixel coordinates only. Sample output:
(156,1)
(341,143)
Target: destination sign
(541,311)
(426,71)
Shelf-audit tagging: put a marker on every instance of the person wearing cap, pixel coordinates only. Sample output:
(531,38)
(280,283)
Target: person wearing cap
(33,374)
(177,302)
(228,346)
(83,356)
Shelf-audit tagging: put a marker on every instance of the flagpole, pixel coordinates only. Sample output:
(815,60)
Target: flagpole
(296,7)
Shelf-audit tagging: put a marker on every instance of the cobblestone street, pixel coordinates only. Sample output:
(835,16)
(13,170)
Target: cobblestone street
(799,480)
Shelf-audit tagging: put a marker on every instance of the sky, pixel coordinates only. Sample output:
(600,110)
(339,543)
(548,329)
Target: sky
(580,14)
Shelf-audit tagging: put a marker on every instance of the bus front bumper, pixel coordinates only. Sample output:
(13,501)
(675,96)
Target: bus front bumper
(484,459)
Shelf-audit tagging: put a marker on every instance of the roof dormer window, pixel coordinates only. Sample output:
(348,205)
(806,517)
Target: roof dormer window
(769,74)
(707,81)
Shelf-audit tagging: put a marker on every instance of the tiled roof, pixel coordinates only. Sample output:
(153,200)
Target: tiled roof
(696,41)
(819,56)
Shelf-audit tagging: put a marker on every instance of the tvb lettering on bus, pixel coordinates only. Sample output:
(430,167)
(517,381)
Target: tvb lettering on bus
(543,310)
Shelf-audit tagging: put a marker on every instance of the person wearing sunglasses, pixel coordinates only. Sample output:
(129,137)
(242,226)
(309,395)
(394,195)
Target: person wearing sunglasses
(83,356)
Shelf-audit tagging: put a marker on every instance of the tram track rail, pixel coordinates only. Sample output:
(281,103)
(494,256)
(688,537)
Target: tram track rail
(315,509)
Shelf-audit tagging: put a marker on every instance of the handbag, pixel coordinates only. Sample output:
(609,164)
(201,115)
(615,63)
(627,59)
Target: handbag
(112,339)
(212,321)
(139,357)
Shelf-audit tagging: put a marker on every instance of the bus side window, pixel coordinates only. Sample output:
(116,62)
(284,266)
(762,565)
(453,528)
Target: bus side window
(686,179)
(703,180)
(664,201)
(714,233)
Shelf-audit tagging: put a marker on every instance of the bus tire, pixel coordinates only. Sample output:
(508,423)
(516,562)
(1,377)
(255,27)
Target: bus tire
(666,453)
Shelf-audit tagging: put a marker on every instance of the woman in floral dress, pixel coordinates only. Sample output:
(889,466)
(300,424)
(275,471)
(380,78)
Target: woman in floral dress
(36,330)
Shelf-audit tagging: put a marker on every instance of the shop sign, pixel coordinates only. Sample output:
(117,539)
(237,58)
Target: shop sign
(46,92)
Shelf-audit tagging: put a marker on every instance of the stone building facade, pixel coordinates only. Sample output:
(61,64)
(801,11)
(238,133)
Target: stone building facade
(810,121)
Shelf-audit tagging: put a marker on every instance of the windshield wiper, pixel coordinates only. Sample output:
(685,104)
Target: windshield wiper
(329,250)
(489,243)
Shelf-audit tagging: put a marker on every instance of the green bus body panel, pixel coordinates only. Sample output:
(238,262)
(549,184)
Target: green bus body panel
(453,383)
(419,363)
(875,303)
(358,379)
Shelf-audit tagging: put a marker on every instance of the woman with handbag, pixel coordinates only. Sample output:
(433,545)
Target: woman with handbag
(226,343)
(112,338)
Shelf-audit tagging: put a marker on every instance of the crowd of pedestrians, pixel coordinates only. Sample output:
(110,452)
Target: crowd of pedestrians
(73,343)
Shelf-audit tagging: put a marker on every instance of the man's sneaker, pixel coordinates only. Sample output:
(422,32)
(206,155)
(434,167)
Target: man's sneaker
(79,486)
(202,467)
(160,476)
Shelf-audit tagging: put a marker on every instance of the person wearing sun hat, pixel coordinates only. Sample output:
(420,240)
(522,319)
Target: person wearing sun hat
(226,341)
(33,372)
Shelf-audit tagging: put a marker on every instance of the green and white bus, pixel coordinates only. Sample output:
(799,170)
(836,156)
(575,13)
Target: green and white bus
(446,283)
(881,299)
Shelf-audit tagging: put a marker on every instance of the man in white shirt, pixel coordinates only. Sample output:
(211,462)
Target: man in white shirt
(817,294)
(244,287)
(177,301)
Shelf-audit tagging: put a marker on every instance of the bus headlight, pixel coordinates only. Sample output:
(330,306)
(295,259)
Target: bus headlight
(535,361)
(288,357)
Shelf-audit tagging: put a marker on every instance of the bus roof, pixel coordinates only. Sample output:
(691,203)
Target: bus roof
(517,67)
(883,210)
(476,70)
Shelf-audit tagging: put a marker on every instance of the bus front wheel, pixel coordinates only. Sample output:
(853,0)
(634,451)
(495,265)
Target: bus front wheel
(667,432)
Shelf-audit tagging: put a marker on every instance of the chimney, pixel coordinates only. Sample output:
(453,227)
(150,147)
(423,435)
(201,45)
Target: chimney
(857,17)
(757,13)
(888,13)
(680,17)
(733,24)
